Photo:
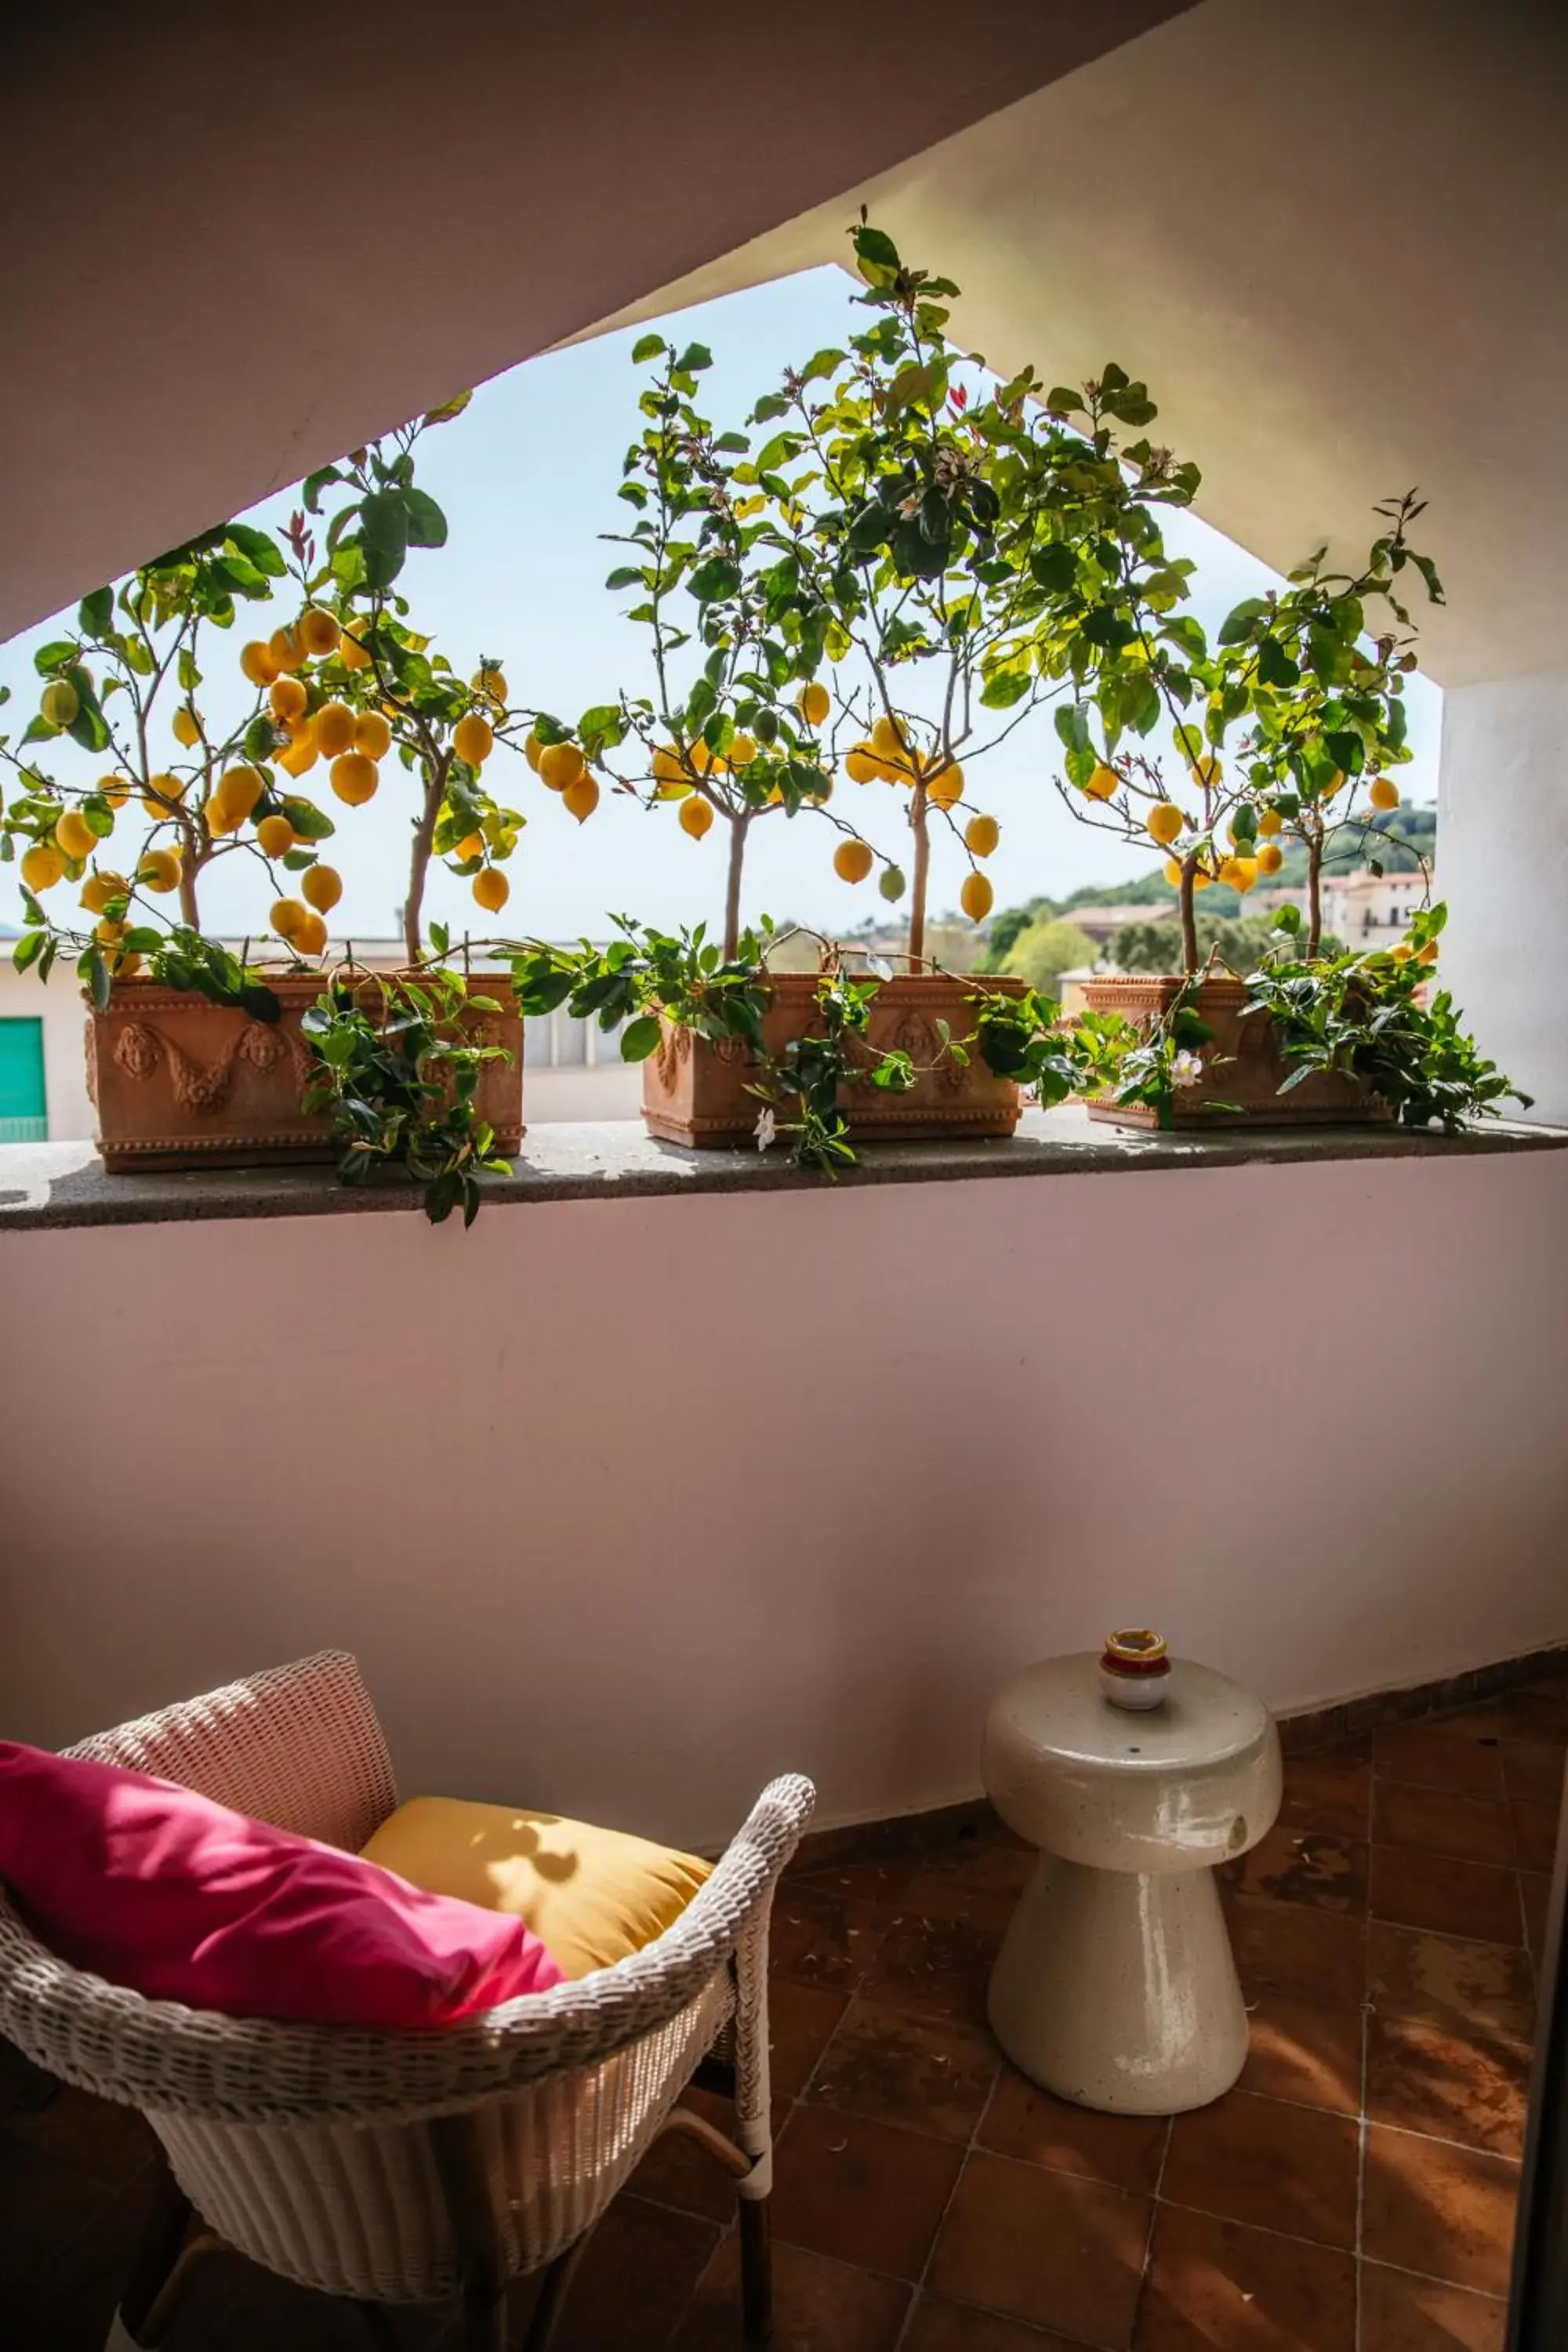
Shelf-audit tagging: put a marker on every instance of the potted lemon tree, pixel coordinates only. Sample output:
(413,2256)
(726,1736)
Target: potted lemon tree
(199,1054)
(838,597)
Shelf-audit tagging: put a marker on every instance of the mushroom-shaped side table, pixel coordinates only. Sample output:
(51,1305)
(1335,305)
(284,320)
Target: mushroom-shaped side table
(1115,1986)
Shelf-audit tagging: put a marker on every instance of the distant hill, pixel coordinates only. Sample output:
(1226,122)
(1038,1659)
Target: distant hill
(1418,827)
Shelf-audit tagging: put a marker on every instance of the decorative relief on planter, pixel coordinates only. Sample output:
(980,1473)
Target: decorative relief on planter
(695,1093)
(1243,1067)
(180,1082)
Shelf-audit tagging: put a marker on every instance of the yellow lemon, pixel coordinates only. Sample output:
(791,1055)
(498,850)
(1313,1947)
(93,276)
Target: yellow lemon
(110,930)
(1401,954)
(977,897)
(1271,857)
(815,703)
(1385,793)
(350,653)
(1206,771)
(473,742)
(862,765)
(1202,879)
(290,916)
(116,790)
(581,798)
(852,861)
(1270,823)
(159,870)
(665,766)
(1173,873)
(534,751)
(257,663)
(42,865)
(946,787)
(60,702)
(742,750)
(317,632)
(1240,872)
(322,887)
(287,650)
(288,699)
(372,736)
(889,737)
(1165,821)
(696,816)
(335,728)
(123,966)
(75,835)
(981,835)
(300,754)
(186,726)
(355,778)
(234,798)
(492,889)
(1427,954)
(560,765)
(274,835)
(490,681)
(100,889)
(162,793)
(1103,783)
(471,846)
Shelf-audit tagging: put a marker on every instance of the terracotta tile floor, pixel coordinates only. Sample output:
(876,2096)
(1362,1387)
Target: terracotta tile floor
(1355,2193)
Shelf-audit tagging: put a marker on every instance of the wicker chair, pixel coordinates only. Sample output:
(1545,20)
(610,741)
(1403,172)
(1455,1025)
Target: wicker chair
(407,2167)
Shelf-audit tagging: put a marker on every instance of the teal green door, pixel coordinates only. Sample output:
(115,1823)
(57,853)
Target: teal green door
(24,1112)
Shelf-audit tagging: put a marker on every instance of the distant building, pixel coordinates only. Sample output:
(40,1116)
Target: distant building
(1101,923)
(1372,911)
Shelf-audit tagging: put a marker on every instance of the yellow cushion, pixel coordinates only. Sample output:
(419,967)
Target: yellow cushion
(593,1895)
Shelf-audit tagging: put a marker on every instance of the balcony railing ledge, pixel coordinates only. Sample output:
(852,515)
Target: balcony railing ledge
(56,1185)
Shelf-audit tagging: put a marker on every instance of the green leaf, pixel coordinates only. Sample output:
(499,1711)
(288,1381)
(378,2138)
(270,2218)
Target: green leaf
(694,359)
(260,546)
(308,822)
(426,523)
(1062,401)
(647,347)
(383,527)
(95,972)
(625,575)
(1054,568)
(52,656)
(1004,687)
(1237,623)
(639,1039)
(95,613)
(874,250)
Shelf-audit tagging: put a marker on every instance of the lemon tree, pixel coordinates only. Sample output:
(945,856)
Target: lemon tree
(732,732)
(110,864)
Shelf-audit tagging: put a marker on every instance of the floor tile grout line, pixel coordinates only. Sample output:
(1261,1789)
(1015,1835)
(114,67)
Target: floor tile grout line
(969,2150)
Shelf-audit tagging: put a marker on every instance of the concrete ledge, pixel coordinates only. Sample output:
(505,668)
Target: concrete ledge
(64,1184)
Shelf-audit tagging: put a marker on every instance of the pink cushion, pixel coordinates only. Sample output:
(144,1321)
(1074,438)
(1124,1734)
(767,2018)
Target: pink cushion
(154,1887)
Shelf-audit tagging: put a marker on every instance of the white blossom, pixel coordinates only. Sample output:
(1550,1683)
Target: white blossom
(766,1127)
(1187,1069)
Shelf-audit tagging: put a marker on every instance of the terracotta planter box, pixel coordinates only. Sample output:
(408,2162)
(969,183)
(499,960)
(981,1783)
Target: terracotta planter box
(695,1092)
(179,1082)
(1247,1069)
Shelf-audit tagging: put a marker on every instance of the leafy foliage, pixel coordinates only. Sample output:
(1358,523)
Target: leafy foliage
(398,1069)
(1364,1017)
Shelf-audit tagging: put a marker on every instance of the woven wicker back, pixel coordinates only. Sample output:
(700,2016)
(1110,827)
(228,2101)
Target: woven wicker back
(298,1746)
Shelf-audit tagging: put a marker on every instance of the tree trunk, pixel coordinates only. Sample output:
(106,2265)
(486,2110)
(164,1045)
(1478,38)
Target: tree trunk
(419,864)
(1314,898)
(920,877)
(1189,918)
(733,889)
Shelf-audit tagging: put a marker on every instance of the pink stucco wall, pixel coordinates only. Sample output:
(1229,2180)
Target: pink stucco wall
(626,1506)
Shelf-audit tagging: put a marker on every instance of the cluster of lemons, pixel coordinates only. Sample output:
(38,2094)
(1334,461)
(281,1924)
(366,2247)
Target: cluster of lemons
(885,755)
(1166,822)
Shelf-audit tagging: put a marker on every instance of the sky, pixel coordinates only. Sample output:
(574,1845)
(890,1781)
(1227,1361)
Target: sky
(528,477)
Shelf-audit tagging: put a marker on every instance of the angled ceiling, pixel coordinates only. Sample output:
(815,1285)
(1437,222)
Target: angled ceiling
(235,249)
(1333,240)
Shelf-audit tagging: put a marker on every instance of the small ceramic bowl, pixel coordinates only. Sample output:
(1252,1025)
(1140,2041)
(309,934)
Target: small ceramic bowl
(1135,1669)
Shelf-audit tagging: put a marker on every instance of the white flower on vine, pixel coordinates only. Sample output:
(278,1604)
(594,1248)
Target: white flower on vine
(766,1127)
(880,966)
(1187,1069)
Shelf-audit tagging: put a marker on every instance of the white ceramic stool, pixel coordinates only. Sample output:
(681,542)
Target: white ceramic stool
(1115,1986)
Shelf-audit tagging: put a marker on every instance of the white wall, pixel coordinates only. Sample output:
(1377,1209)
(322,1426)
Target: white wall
(625,1507)
(1503,825)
